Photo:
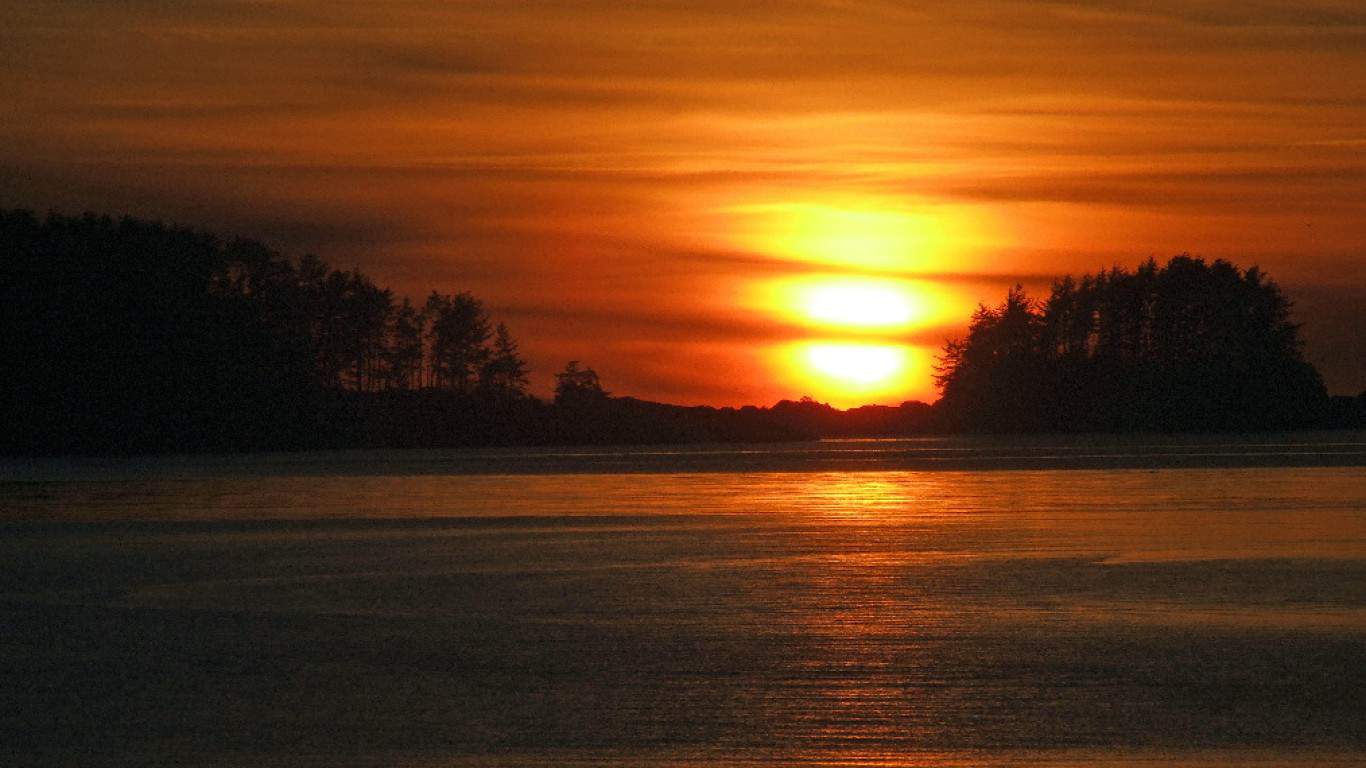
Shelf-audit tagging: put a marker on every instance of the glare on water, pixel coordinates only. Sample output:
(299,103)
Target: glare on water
(645,607)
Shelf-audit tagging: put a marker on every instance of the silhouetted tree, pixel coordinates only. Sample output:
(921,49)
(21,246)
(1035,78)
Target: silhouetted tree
(504,374)
(998,362)
(576,386)
(124,335)
(128,335)
(1186,346)
(459,330)
(363,332)
(404,353)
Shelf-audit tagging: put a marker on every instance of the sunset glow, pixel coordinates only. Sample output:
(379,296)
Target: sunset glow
(666,191)
(863,299)
(860,239)
(860,304)
(705,383)
(856,304)
(865,236)
(849,373)
(858,364)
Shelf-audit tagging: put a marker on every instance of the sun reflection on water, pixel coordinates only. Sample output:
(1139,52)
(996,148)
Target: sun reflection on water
(866,495)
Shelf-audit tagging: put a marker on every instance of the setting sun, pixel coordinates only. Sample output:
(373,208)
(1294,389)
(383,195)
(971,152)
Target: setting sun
(856,304)
(860,304)
(856,339)
(693,383)
(857,364)
(859,322)
(847,373)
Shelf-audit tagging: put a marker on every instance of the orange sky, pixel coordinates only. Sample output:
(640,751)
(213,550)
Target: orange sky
(657,188)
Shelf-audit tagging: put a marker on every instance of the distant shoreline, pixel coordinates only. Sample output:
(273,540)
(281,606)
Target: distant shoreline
(126,337)
(921,452)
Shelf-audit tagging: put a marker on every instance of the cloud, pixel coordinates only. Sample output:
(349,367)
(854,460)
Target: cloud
(729,326)
(571,160)
(1249,189)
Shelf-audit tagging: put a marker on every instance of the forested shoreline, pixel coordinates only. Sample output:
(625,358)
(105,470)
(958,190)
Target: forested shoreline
(1188,345)
(125,336)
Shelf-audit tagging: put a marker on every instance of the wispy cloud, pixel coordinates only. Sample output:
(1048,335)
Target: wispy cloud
(586,151)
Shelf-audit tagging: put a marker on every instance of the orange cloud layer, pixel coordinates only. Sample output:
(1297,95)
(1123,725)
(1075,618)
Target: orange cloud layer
(638,168)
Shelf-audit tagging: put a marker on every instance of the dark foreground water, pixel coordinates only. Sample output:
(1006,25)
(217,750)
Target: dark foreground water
(907,603)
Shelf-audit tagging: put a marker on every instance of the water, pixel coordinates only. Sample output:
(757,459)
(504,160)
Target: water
(1143,601)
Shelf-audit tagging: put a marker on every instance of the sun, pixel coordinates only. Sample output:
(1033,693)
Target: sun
(857,365)
(859,303)
(850,373)
(859,287)
(851,303)
(854,339)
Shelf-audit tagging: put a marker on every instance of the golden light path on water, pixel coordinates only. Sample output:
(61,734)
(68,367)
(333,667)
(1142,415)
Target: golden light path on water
(757,605)
(865,305)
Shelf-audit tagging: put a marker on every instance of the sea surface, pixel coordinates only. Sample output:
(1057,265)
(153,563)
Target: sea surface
(940,602)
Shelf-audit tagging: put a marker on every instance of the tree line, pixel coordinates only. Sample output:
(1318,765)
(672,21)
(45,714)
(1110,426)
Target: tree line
(360,338)
(123,335)
(1188,345)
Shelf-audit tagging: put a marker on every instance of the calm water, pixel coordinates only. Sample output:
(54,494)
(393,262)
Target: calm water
(861,603)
